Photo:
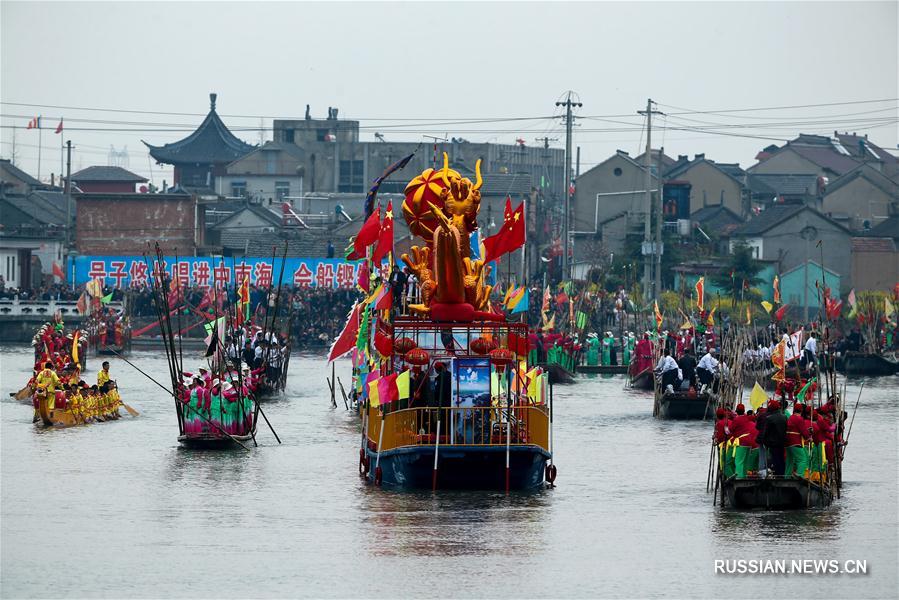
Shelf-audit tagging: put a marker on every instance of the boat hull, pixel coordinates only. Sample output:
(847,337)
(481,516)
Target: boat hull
(461,467)
(857,363)
(683,407)
(211,442)
(775,494)
(643,380)
(558,374)
(603,369)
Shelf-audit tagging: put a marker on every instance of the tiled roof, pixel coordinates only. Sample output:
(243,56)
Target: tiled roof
(877,179)
(887,229)
(105,173)
(503,184)
(263,213)
(732,170)
(212,142)
(826,157)
(769,218)
(37,211)
(716,217)
(871,150)
(873,244)
(783,184)
(10,171)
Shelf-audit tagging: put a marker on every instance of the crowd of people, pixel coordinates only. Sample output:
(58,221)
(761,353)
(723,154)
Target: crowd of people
(778,440)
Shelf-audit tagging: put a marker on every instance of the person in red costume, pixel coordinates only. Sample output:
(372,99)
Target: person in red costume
(643,350)
(798,433)
(742,435)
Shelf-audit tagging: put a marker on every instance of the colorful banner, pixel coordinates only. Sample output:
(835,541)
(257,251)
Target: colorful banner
(126,271)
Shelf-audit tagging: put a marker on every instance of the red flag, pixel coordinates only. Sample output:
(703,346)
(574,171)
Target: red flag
(367,236)
(34,123)
(779,314)
(700,294)
(385,302)
(387,390)
(362,279)
(346,341)
(58,272)
(385,236)
(561,298)
(510,237)
(59,127)
(81,305)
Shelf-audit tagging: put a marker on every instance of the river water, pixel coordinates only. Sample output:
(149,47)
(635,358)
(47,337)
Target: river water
(119,510)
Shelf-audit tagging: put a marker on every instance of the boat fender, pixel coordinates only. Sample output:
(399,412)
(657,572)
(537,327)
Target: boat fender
(378,475)
(551,473)
(363,462)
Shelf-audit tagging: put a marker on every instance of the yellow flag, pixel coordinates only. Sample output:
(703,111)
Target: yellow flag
(888,307)
(373,397)
(758,396)
(767,306)
(402,384)
(711,320)
(75,346)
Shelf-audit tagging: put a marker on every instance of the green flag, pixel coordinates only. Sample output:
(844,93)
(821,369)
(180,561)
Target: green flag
(581,319)
(804,390)
(106,299)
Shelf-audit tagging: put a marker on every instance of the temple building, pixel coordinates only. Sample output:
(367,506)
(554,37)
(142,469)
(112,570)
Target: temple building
(204,155)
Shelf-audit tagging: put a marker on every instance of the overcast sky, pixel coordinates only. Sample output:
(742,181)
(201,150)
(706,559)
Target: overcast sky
(430,62)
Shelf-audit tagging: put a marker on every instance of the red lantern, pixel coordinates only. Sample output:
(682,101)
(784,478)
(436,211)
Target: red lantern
(404,344)
(482,345)
(384,344)
(417,356)
(501,357)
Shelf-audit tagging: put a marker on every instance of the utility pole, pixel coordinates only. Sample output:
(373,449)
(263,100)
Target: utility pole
(649,248)
(568,104)
(68,191)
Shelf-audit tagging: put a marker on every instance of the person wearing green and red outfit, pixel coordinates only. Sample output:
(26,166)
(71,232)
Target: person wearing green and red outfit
(798,431)
(742,430)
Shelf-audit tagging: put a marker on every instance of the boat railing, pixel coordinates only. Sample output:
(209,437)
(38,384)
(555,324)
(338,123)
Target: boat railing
(520,424)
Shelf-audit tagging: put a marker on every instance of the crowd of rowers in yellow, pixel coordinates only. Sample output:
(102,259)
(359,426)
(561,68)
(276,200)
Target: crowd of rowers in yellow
(87,404)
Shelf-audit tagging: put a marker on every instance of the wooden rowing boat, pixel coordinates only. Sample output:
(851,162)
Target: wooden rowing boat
(865,363)
(774,493)
(684,406)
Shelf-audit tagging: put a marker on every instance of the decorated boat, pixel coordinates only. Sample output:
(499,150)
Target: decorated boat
(216,407)
(642,379)
(448,397)
(77,405)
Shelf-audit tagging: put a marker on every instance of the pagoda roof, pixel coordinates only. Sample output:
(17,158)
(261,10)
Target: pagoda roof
(212,142)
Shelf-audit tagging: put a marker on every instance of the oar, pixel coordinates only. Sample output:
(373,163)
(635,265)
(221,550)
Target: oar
(130,410)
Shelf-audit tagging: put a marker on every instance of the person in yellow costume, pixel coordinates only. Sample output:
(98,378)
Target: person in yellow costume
(115,401)
(47,381)
(103,375)
(76,402)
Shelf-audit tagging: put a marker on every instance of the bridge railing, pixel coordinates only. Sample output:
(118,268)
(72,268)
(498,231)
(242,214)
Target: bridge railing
(44,308)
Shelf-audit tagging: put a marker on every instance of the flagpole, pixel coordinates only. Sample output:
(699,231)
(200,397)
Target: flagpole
(61,153)
(40,140)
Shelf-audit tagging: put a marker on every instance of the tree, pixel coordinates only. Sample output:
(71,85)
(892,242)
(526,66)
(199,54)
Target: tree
(741,270)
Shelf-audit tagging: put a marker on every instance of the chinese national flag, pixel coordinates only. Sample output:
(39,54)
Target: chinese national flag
(385,236)
(346,341)
(510,236)
(59,127)
(366,236)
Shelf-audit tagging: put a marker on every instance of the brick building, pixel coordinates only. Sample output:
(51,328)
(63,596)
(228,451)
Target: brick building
(121,224)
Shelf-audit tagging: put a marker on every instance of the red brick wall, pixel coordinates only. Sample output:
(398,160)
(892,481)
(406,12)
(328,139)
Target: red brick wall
(124,224)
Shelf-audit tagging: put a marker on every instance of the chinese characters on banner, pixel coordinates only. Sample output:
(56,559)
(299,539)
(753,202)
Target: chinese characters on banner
(204,272)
